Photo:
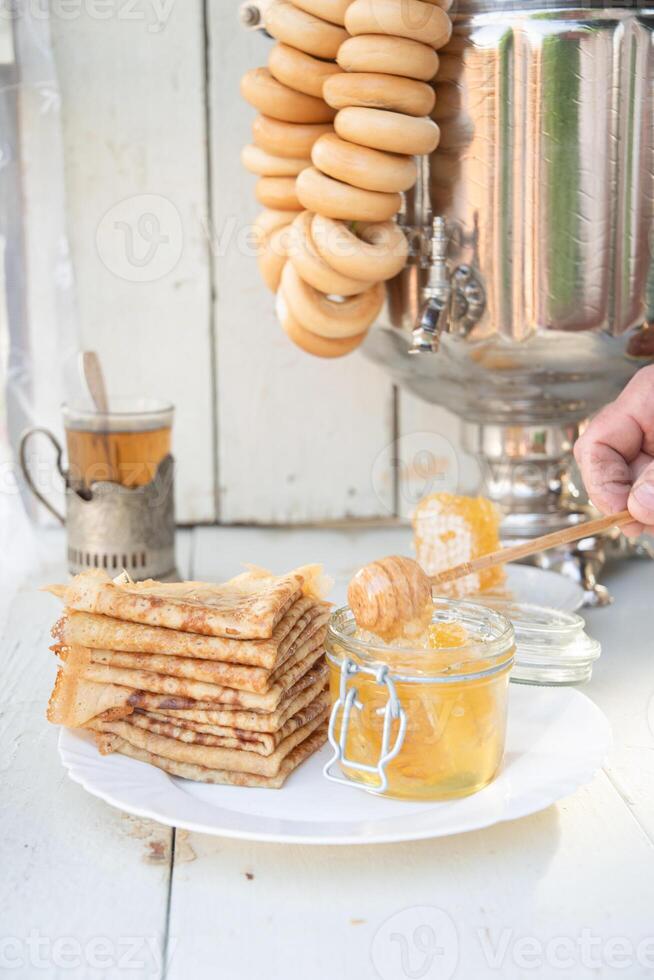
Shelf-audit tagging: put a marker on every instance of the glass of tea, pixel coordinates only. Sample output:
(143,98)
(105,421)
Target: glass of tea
(118,486)
(124,445)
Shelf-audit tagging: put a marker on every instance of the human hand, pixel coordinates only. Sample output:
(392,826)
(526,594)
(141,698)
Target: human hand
(616,454)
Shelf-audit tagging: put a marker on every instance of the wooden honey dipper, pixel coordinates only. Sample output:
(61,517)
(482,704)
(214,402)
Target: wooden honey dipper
(392,591)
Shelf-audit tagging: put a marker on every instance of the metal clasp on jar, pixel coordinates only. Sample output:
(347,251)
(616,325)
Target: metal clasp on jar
(347,702)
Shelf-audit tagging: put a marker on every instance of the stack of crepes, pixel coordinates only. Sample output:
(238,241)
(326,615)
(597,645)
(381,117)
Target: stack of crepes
(218,683)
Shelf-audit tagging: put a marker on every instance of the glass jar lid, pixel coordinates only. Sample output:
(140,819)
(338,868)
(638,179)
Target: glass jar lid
(552,647)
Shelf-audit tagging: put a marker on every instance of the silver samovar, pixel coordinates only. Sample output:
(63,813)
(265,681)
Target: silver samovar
(527,299)
(526,303)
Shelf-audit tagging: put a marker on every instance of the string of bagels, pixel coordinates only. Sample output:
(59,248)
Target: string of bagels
(344,106)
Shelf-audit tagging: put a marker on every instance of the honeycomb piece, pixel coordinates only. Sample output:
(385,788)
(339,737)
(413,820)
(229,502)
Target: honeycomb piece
(450,635)
(448,530)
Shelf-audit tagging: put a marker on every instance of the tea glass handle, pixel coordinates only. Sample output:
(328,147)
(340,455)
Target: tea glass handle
(22,456)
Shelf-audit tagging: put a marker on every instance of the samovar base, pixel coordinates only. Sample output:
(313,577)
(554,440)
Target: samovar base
(527,471)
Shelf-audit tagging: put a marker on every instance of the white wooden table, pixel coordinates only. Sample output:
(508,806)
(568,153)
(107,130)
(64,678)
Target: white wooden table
(90,892)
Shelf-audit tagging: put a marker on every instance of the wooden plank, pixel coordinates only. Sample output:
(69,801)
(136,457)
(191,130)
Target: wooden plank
(623,683)
(298,436)
(430,454)
(497,901)
(84,889)
(135,144)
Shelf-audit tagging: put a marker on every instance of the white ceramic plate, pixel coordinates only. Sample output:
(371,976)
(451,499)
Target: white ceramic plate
(557,739)
(542,587)
(526,583)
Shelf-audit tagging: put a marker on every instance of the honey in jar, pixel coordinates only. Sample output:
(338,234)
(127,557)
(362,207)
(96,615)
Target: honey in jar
(443,700)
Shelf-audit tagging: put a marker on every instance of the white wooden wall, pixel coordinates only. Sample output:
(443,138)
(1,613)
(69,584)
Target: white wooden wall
(153,126)
(134,140)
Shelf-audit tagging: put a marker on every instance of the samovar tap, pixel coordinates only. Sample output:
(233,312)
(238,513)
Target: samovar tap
(454,300)
(435,314)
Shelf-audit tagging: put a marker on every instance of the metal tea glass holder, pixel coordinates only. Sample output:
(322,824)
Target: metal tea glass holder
(112,527)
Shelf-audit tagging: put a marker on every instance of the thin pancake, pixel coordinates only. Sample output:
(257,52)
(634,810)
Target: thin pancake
(225,675)
(201,774)
(300,695)
(249,605)
(106,633)
(230,738)
(185,691)
(231,760)
(75,701)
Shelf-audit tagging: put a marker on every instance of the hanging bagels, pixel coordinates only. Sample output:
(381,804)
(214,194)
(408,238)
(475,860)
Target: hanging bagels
(311,342)
(272,258)
(336,199)
(274,99)
(311,267)
(369,251)
(330,10)
(344,106)
(389,56)
(415,20)
(383,130)
(363,167)
(269,221)
(288,23)
(300,70)
(265,164)
(375,90)
(278,193)
(327,317)
(287,139)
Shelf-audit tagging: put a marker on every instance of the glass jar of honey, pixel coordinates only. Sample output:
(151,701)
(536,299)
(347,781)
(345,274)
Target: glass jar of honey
(425,721)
